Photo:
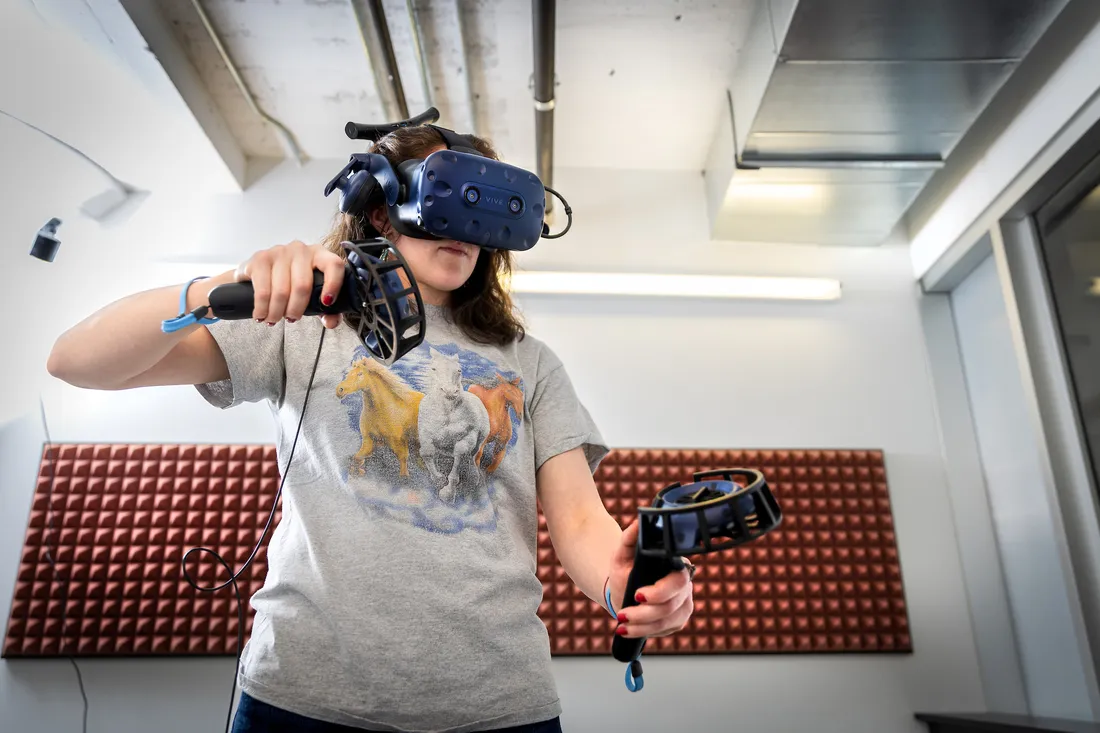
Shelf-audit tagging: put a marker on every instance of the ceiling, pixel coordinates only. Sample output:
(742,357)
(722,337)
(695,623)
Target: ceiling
(808,121)
(640,82)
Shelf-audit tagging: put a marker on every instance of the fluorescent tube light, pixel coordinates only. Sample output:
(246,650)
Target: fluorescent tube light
(599,283)
(776,191)
(697,286)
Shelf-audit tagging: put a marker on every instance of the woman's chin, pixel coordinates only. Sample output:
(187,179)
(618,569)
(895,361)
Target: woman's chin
(449,276)
(444,284)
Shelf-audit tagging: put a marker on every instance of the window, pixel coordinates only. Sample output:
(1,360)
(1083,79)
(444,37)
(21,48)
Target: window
(1069,234)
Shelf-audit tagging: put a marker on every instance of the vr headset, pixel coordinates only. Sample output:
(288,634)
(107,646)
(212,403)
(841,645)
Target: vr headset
(457,193)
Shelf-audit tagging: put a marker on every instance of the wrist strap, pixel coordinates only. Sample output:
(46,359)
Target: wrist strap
(185,319)
(607,598)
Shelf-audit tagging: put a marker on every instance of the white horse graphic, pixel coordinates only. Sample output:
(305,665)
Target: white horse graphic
(453,424)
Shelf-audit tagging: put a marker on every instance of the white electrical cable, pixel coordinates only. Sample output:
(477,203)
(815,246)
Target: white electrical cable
(284,134)
(122,187)
(101,207)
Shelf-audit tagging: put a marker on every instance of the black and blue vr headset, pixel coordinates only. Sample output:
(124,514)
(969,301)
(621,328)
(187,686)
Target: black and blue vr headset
(455,194)
(458,193)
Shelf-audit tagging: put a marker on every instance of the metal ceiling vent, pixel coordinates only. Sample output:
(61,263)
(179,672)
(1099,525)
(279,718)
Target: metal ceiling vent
(840,111)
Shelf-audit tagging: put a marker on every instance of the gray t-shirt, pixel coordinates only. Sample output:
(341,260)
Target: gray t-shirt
(401,593)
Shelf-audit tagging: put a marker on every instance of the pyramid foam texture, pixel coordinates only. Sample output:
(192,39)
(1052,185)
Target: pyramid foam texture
(827,580)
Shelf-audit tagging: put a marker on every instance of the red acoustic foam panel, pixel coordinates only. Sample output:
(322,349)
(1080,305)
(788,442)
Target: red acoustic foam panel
(123,516)
(826,580)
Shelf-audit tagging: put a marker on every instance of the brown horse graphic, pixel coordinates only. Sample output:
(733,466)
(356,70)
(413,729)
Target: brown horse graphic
(497,399)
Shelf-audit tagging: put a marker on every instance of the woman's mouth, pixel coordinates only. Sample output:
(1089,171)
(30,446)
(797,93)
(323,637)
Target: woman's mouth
(454,249)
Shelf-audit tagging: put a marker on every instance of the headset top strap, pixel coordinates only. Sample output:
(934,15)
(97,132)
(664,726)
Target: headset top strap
(455,141)
(374,133)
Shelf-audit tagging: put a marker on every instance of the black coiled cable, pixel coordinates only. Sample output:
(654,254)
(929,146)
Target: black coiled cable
(568,212)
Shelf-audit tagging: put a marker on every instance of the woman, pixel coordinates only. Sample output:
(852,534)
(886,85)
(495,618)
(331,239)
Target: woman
(401,592)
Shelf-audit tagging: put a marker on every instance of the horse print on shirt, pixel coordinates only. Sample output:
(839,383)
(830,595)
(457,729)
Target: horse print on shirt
(505,395)
(433,431)
(387,416)
(453,424)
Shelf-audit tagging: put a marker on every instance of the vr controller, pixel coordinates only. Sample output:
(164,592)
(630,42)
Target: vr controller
(378,294)
(711,514)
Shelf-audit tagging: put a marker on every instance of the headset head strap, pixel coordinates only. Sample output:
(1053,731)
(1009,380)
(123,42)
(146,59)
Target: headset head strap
(374,133)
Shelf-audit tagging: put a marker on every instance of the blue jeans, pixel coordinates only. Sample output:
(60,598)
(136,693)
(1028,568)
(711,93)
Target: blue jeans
(254,716)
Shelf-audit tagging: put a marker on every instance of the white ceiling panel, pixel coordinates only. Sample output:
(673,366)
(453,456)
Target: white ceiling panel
(640,84)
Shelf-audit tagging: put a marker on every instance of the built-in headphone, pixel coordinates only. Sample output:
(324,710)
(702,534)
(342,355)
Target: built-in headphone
(361,189)
(356,192)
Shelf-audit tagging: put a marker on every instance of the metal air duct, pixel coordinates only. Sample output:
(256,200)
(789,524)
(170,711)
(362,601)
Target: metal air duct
(370,16)
(840,111)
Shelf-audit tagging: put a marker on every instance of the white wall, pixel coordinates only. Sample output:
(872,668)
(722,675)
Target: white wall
(1008,444)
(847,375)
(60,71)
(654,373)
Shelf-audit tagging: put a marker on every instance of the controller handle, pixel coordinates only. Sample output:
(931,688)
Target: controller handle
(647,571)
(235,301)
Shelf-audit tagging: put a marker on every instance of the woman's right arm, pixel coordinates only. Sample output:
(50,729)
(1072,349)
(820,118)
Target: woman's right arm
(121,346)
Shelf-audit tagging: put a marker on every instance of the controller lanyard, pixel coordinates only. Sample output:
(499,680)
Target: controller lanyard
(185,319)
(634,681)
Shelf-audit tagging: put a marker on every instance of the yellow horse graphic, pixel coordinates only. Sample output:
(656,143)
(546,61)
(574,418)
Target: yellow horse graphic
(389,414)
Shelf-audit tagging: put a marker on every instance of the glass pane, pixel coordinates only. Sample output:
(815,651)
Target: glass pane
(1071,249)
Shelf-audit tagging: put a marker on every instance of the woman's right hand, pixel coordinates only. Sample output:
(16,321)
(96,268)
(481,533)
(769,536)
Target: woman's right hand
(282,280)
(122,345)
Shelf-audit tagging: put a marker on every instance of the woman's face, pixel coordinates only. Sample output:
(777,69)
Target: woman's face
(440,266)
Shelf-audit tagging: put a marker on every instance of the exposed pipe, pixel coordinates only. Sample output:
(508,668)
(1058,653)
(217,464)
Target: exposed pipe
(425,78)
(287,138)
(543,15)
(464,38)
(371,18)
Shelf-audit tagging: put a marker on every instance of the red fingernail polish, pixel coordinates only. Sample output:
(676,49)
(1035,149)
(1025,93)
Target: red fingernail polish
(292,320)
(622,617)
(639,598)
(620,630)
(327,299)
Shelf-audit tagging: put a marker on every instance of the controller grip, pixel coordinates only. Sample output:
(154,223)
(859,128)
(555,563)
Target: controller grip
(236,301)
(647,571)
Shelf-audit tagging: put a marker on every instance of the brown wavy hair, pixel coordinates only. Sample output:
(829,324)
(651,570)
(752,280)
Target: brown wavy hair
(482,307)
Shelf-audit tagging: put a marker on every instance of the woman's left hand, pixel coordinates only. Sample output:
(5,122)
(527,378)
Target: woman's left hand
(662,608)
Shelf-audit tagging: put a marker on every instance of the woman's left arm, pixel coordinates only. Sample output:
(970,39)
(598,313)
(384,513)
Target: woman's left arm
(593,549)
